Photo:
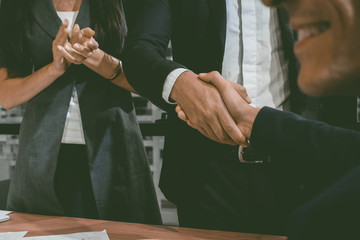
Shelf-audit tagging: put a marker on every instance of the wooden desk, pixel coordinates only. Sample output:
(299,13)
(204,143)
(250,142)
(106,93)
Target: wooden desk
(48,225)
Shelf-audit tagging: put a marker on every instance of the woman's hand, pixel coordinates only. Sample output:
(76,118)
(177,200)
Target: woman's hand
(83,40)
(81,45)
(60,64)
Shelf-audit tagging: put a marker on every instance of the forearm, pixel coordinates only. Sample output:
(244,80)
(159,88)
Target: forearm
(16,91)
(102,63)
(122,82)
(147,72)
(108,67)
(144,54)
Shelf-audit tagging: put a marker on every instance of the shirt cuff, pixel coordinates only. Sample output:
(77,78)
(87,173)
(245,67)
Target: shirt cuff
(169,83)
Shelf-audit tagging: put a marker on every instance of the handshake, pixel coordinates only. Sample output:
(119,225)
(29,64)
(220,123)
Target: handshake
(215,106)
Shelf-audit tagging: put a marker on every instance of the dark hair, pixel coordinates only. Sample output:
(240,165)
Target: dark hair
(107,19)
(13,15)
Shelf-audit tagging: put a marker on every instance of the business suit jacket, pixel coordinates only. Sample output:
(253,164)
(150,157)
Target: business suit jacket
(334,212)
(120,175)
(197,171)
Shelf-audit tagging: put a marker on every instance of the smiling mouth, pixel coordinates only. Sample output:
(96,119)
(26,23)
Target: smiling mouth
(311,30)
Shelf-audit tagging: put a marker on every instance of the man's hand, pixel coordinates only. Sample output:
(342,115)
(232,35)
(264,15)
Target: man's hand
(243,114)
(205,109)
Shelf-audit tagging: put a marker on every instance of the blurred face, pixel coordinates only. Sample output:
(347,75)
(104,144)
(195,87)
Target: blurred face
(328,46)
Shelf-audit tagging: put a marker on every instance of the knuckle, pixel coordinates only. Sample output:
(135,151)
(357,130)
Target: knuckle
(190,123)
(195,122)
(223,136)
(180,116)
(209,116)
(229,129)
(214,73)
(239,140)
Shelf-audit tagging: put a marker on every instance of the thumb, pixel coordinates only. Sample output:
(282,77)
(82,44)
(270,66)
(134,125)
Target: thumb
(75,29)
(63,33)
(88,32)
(216,79)
(228,93)
(206,77)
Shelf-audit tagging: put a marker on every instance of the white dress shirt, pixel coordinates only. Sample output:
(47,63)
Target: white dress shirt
(253,54)
(73,131)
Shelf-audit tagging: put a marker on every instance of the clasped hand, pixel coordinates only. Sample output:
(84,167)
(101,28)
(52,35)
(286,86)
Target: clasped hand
(77,50)
(231,118)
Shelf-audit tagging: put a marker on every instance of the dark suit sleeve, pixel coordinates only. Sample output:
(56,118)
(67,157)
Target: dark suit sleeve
(334,212)
(282,134)
(144,55)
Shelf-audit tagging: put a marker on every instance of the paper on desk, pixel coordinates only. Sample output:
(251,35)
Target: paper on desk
(4,215)
(80,236)
(12,235)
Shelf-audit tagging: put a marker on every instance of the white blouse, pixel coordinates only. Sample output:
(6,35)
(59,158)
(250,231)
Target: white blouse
(73,131)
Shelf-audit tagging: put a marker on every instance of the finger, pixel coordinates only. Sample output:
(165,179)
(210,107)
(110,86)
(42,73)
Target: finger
(78,47)
(225,89)
(181,114)
(84,51)
(232,130)
(76,55)
(219,132)
(178,108)
(206,133)
(65,54)
(242,91)
(220,82)
(68,56)
(225,139)
(63,33)
(223,84)
(87,32)
(215,78)
(93,44)
(76,36)
(76,31)
(212,131)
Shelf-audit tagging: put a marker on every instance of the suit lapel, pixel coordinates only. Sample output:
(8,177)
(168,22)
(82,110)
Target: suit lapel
(83,19)
(45,14)
(218,11)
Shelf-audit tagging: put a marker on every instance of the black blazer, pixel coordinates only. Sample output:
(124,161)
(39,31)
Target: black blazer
(334,212)
(120,174)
